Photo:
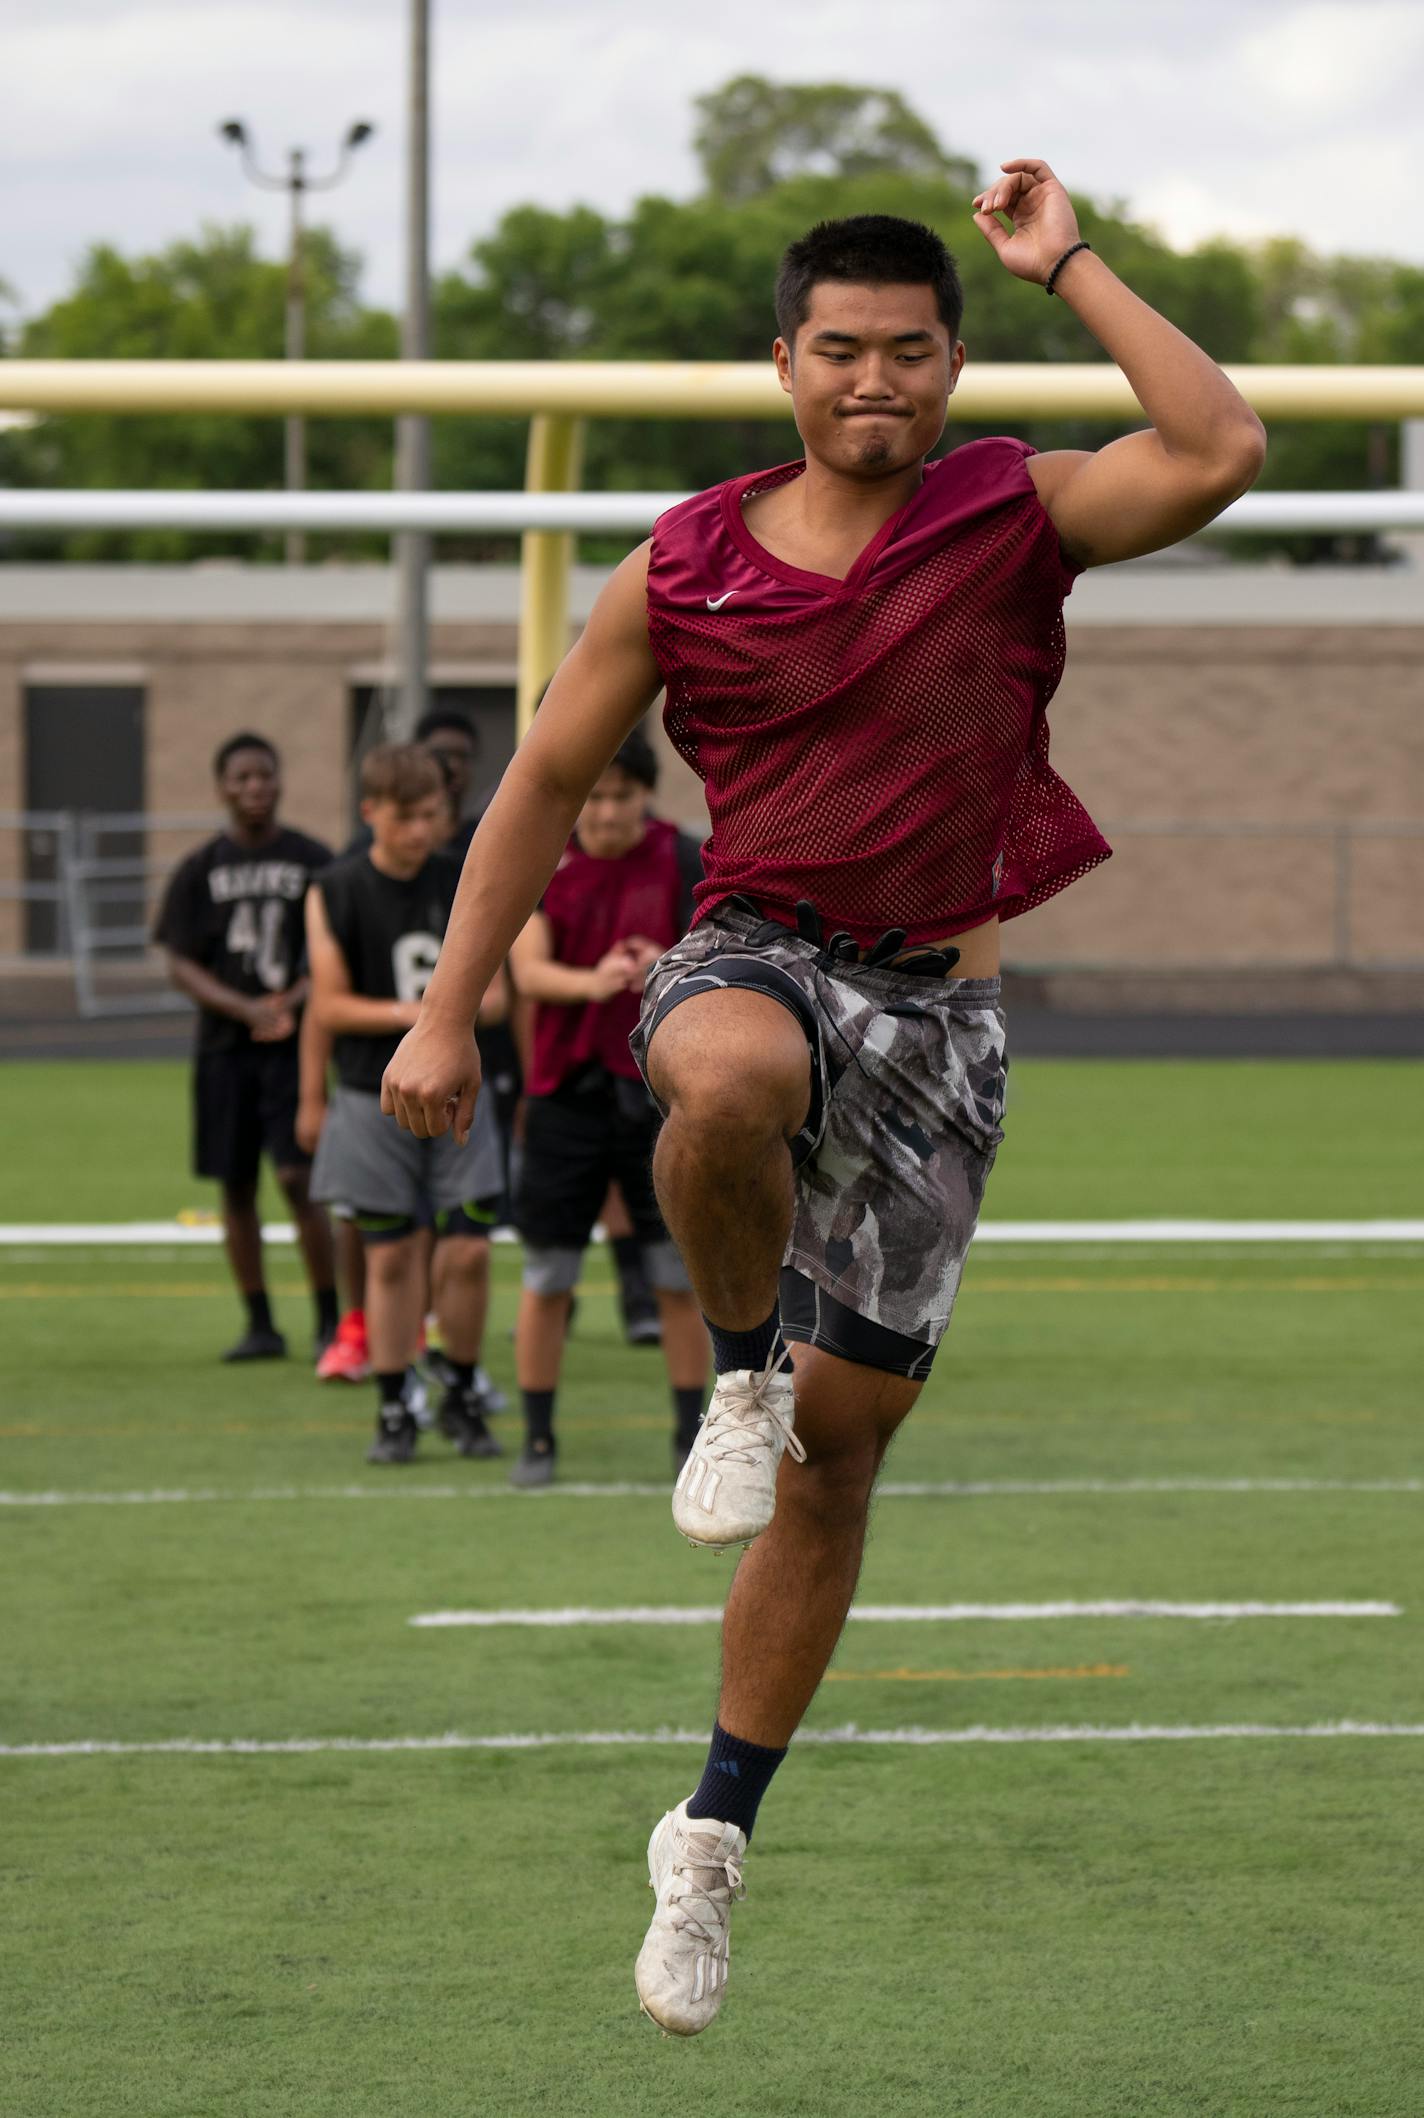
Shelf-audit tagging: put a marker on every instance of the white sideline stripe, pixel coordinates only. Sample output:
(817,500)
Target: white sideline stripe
(944,1489)
(204,1235)
(306,1746)
(911,1613)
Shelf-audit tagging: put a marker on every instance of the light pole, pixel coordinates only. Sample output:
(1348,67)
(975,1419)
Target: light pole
(413,432)
(296,183)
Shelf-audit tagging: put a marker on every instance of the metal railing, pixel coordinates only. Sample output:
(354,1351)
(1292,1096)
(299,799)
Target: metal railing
(104,902)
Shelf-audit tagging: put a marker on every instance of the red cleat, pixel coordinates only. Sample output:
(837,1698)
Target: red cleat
(348,1358)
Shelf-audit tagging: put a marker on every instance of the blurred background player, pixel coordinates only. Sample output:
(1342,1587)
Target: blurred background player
(375,922)
(618,898)
(232,924)
(452,740)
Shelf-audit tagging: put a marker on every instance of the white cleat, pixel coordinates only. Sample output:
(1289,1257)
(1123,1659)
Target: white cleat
(694,1866)
(726,1491)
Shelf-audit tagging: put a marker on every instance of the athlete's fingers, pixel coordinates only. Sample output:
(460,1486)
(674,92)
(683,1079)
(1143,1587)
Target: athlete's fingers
(462,1113)
(993,231)
(388,1099)
(1031,165)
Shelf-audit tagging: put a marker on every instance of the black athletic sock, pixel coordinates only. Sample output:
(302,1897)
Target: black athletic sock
(687,1410)
(628,1257)
(259,1310)
(539,1419)
(734,1779)
(461,1373)
(746,1349)
(390,1388)
(328,1314)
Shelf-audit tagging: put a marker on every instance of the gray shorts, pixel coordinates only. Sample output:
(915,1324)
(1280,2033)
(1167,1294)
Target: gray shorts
(907,1076)
(369,1163)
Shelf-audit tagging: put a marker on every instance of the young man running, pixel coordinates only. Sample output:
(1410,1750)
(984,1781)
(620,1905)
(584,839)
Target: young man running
(858,652)
(616,901)
(375,923)
(231,922)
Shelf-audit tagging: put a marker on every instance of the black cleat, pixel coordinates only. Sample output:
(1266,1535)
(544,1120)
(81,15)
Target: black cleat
(255,1345)
(535,1466)
(642,1326)
(396,1434)
(461,1419)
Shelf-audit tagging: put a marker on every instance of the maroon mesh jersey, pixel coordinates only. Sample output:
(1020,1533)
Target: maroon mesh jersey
(590,905)
(878,745)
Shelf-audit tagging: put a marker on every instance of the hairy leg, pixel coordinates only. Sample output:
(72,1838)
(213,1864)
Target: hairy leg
(461,1276)
(539,1339)
(313,1227)
(792,1590)
(395,1301)
(243,1233)
(734,1074)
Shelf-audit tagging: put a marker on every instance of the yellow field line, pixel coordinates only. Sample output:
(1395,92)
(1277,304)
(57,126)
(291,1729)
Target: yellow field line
(971,1676)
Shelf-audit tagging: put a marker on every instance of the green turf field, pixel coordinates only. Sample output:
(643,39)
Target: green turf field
(1064,1929)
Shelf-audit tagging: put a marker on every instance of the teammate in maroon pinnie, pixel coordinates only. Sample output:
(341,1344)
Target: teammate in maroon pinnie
(858,651)
(620,896)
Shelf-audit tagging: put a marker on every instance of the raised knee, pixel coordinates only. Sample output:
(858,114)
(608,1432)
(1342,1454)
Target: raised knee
(762,1099)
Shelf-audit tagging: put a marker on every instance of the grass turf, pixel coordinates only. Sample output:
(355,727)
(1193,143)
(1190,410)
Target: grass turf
(1042,1931)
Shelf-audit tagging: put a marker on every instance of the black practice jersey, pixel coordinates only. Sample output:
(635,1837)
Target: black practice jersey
(390,933)
(240,913)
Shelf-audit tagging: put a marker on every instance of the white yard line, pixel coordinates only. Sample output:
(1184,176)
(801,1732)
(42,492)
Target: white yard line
(914,1738)
(105,1234)
(910,1613)
(893,1489)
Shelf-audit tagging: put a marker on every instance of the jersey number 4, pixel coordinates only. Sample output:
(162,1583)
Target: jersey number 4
(255,933)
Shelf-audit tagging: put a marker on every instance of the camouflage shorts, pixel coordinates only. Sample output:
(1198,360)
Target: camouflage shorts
(907,1097)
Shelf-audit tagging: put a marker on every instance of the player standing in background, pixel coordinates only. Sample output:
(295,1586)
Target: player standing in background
(858,650)
(375,923)
(619,897)
(452,740)
(231,922)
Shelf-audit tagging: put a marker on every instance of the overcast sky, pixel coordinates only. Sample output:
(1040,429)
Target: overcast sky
(1243,116)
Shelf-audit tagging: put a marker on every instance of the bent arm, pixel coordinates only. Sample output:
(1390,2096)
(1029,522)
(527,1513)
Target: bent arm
(1205,446)
(209,992)
(603,687)
(539,974)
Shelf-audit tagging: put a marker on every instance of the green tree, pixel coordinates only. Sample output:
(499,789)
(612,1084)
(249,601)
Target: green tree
(753,134)
(210,299)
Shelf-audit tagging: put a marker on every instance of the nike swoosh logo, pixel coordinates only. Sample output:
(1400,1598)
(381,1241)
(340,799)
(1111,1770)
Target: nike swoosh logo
(715,603)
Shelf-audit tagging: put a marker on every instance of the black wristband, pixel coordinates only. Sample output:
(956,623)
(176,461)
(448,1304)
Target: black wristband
(1072,252)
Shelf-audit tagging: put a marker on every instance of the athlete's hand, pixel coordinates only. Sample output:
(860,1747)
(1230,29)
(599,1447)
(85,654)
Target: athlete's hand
(271,1020)
(431,1084)
(1044,222)
(616,972)
(645,954)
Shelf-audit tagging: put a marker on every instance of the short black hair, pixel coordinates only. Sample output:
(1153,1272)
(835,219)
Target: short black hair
(636,756)
(445,717)
(245,741)
(868,250)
